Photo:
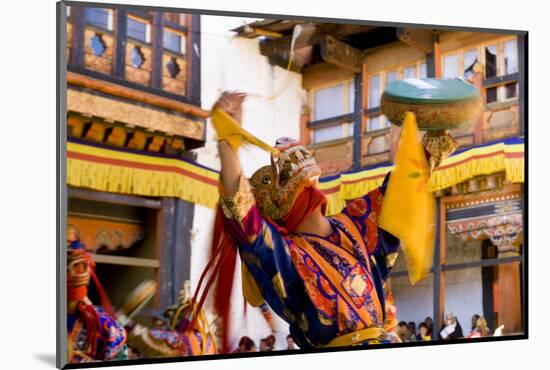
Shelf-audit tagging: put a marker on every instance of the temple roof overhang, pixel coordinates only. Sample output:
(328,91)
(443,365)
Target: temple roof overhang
(117,115)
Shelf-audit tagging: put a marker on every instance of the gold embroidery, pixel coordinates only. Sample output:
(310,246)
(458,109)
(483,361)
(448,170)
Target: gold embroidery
(279,285)
(303,323)
(250,258)
(373,261)
(390,259)
(289,315)
(238,205)
(268,238)
(324,320)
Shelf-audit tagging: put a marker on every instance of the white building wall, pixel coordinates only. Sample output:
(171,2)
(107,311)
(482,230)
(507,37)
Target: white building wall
(231,63)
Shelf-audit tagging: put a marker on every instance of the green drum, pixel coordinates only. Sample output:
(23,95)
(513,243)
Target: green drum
(438,104)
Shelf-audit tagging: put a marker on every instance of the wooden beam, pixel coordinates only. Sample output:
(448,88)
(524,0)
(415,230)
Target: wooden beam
(137,140)
(132,94)
(417,38)
(116,136)
(281,46)
(283,63)
(322,73)
(96,132)
(126,261)
(156,143)
(76,125)
(482,263)
(499,80)
(263,32)
(332,121)
(113,198)
(341,54)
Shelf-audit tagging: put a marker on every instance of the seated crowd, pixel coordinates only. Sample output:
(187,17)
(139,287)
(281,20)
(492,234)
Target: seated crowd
(407,332)
(450,329)
(267,344)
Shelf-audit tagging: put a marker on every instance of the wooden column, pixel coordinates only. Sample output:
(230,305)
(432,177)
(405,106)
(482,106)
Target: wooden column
(478,83)
(509,283)
(165,253)
(156,44)
(305,132)
(174,224)
(439,274)
(437,60)
(120,26)
(430,64)
(183,224)
(77,47)
(522,78)
(358,120)
(193,89)
(364,104)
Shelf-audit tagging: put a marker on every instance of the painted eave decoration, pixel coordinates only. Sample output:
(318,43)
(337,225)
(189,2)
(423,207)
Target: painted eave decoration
(128,171)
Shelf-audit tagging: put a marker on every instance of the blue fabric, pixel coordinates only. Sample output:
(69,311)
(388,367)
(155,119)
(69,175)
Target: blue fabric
(269,255)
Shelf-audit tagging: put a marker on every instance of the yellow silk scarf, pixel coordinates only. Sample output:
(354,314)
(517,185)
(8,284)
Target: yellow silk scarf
(408,209)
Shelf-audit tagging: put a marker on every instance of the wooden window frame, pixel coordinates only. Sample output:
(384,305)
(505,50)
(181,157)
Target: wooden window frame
(501,79)
(119,32)
(346,120)
(183,42)
(371,112)
(148,30)
(111,20)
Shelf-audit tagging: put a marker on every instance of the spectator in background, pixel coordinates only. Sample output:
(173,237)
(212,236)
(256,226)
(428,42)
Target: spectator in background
(271,341)
(423,332)
(481,329)
(402,331)
(290,342)
(264,345)
(475,317)
(430,324)
(412,331)
(451,328)
(246,345)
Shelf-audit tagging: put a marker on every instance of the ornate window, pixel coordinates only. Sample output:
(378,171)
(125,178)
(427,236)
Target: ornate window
(138,29)
(332,109)
(99,17)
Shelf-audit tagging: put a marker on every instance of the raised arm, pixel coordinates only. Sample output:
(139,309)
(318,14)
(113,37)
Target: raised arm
(230,166)
(262,248)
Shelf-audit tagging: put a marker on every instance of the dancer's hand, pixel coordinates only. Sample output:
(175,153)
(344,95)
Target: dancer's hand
(232,104)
